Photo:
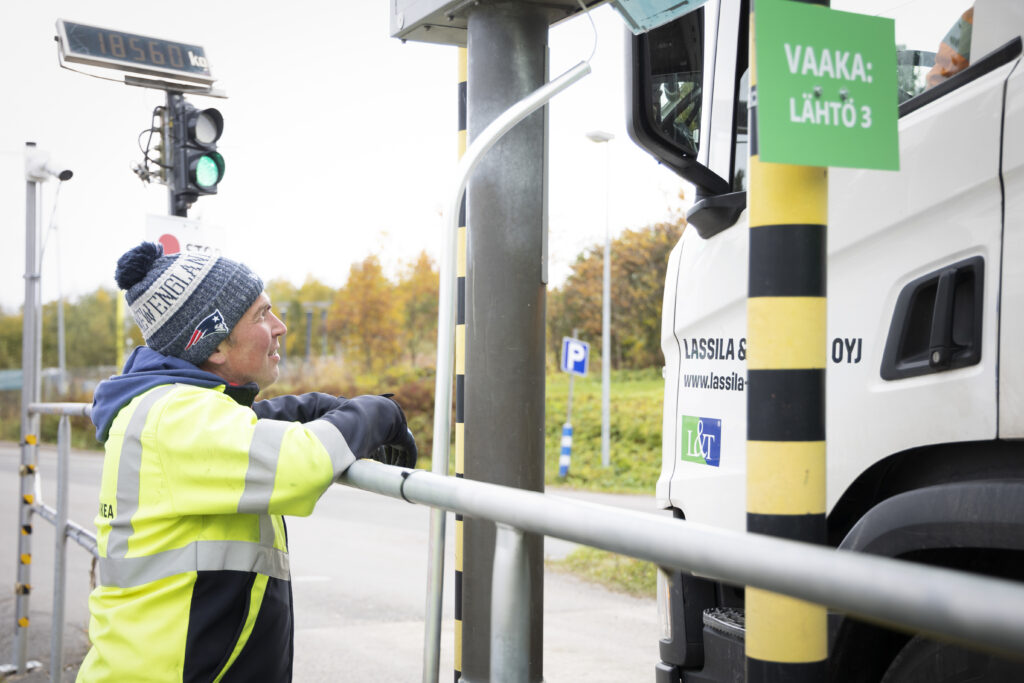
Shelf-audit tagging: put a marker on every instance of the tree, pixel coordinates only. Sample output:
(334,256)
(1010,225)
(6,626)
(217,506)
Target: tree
(639,263)
(417,293)
(365,316)
(10,341)
(638,286)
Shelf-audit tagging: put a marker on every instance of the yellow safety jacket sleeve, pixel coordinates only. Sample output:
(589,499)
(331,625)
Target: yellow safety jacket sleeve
(218,458)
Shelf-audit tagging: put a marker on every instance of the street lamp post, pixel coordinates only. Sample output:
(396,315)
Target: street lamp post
(606,306)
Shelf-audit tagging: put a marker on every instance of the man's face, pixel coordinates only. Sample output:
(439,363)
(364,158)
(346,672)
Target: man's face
(250,353)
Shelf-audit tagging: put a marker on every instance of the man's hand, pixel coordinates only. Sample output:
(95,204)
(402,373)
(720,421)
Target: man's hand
(401,449)
(401,453)
(374,427)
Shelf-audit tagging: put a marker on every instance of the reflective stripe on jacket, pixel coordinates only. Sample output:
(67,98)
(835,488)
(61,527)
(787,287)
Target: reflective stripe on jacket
(194,581)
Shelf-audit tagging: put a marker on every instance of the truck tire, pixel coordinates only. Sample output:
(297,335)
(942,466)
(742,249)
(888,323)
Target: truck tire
(928,661)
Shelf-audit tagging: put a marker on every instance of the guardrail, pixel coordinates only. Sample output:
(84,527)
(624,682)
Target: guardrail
(937,602)
(934,601)
(32,503)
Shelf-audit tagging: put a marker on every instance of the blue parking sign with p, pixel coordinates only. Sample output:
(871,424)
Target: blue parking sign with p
(575,356)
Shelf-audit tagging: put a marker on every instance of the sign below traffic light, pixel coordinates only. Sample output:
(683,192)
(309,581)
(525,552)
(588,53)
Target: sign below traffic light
(198,167)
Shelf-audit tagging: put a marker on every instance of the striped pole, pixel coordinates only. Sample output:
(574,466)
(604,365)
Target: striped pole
(786,332)
(565,456)
(460,366)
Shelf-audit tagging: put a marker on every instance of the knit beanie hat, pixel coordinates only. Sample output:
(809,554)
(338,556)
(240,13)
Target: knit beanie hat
(185,304)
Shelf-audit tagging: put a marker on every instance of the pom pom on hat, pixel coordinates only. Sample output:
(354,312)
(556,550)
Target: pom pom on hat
(134,265)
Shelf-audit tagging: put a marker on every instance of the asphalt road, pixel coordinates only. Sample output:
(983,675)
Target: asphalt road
(359,576)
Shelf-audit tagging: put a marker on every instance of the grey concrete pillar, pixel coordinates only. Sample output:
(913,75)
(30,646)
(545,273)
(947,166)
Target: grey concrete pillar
(505,308)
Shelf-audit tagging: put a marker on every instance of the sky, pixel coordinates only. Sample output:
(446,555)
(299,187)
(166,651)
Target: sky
(339,141)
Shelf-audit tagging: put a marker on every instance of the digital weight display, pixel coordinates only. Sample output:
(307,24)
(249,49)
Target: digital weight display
(131,52)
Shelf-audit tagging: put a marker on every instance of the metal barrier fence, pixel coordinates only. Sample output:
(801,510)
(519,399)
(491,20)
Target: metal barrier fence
(31,503)
(937,602)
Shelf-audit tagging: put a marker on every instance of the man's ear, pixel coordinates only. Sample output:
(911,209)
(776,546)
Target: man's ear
(217,358)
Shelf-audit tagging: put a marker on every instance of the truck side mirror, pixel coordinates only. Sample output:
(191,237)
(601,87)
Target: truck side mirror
(666,92)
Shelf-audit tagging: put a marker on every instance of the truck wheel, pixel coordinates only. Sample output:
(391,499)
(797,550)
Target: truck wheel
(928,661)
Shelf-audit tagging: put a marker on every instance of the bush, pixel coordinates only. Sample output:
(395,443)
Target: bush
(413,389)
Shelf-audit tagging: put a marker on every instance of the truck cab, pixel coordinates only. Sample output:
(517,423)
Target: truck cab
(925,391)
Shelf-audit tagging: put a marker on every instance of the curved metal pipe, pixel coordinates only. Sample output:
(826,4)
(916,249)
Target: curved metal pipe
(446,343)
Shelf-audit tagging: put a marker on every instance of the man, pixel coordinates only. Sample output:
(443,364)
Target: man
(194,582)
(954,53)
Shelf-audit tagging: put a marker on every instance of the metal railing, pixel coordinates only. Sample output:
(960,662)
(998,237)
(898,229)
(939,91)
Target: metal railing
(936,602)
(933,601)
(31,503)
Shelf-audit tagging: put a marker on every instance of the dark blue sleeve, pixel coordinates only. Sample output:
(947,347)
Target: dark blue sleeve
(368,422)
(303,408)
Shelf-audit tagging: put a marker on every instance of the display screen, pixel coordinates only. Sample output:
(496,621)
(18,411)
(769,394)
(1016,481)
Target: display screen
(131,52)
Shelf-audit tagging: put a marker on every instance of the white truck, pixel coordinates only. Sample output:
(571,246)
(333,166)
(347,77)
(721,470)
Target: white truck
(925,388)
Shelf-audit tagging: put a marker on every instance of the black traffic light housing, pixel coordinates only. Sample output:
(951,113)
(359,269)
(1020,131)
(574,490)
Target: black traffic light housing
(197,165)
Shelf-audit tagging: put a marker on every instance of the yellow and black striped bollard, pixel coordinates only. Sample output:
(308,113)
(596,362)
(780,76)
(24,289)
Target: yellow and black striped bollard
(786,331)
(460,366)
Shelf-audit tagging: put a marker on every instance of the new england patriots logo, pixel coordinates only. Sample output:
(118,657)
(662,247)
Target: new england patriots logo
(208,325)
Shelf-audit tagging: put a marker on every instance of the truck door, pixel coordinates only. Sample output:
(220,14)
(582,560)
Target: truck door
(914,256)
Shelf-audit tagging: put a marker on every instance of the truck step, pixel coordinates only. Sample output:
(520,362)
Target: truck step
(728,620)
(724,656)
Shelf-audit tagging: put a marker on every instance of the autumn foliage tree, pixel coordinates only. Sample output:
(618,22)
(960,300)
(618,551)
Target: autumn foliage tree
(90,328)
(639,263)
(417,292)
(366,317)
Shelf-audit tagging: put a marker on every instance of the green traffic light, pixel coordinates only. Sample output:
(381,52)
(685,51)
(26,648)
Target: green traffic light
(208,172)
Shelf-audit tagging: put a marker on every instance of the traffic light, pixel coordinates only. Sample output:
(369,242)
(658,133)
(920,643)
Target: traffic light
(198,166)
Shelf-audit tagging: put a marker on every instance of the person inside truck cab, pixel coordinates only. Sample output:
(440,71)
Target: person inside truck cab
(953,55)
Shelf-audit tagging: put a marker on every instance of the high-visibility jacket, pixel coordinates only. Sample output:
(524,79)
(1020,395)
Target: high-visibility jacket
(194,582)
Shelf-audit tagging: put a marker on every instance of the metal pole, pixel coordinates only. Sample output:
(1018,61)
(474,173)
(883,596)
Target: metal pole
(60,554)
(460,361)
(173,103)
(309,330)
(61,349)
(505,300)
(323,332)
(565,450)
(606,321)
(568,412)
(510,616)
(606,303)
(446,344)
(29,394)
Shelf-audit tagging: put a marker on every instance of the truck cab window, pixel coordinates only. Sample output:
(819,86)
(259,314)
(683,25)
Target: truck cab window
(933,38)
(676,73)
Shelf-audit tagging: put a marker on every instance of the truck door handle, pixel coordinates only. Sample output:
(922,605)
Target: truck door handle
(936,324)
(940,341)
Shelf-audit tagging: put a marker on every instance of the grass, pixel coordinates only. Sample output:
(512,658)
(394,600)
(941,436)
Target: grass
(616,572)
(634,434)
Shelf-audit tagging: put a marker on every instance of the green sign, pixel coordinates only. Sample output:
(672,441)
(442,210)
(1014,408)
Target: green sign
(826,87)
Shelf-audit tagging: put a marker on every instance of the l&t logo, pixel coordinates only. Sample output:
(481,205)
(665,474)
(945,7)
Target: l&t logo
(702,440)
